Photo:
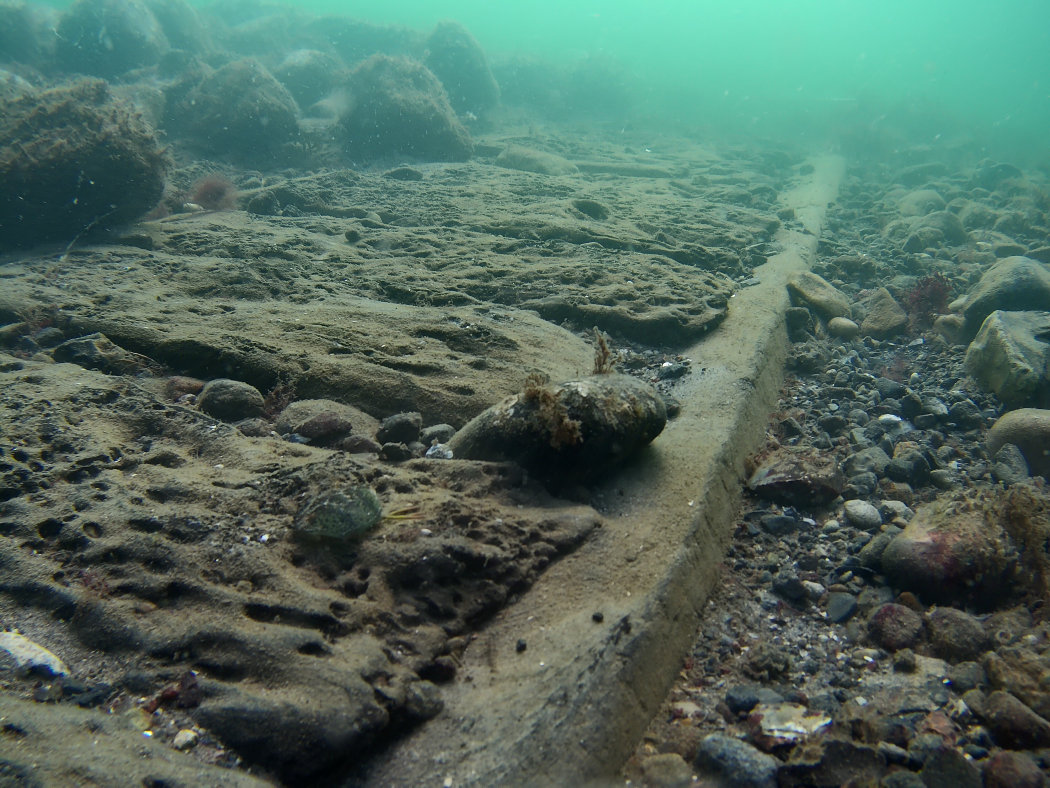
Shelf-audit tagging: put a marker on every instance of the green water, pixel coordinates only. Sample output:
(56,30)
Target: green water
(802,67)
(983,66)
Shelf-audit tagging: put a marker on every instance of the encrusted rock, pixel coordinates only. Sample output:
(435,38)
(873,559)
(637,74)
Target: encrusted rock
(894,627)
(458,60)
(953,550)
(1007,769)
(572,432)
(1013,724)
(802,477)
(74,160)
(956,635)
(400,108)
(241,107)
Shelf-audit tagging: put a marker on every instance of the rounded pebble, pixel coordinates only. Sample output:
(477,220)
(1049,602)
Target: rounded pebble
(862,514)
(843,327)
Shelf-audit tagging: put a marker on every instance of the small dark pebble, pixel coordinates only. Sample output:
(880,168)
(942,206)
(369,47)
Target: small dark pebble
(520,646)
(395,452)
(597,617)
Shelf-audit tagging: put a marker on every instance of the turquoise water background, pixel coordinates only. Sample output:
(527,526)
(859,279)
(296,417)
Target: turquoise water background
(799,63)
(965,66)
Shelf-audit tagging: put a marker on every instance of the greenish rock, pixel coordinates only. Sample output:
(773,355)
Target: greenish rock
(340,516)
(809,289)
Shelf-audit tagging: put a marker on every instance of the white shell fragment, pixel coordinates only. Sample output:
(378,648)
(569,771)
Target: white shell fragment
(30,656)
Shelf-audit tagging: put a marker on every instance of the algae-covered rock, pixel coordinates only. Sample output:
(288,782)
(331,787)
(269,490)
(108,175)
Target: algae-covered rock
(241,110)
(339,516)
(572,432)
(399,108)
(458,60)
(106,38)
(73,161)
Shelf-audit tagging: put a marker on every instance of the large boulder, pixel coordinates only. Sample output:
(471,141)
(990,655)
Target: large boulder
(457,59)
(182,25)
(107,38)
(954,550)
(72,161)
(1009,357)
(309,75)
(399,108)
(1013,284)
(240,110)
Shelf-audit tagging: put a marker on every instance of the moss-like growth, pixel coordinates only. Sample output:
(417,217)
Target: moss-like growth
(399,108)
(74,160)
(1025,516)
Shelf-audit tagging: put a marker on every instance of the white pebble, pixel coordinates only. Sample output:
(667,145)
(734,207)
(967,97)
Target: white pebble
(185,739)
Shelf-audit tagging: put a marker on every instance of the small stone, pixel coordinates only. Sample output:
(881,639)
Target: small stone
(1013,724)
(667,770)
(863,515)
(894,627)
(965,676)
(905,661)
(423,700)
(870,460)
(395,452)
(736,763)
(804,478)
(949,768)
(885,316)
(779,524)
(841,607)
(185,739)
(742,698)
(1007,769)
(965,413)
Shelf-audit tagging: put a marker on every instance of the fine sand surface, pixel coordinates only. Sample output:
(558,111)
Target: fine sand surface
(149,545)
